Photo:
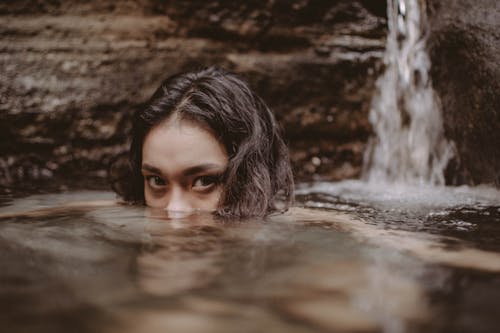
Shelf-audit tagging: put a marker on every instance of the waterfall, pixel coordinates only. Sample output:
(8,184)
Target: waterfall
(409,146)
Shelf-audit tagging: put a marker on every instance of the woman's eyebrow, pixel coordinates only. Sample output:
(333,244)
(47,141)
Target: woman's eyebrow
(202,168)
(152,169)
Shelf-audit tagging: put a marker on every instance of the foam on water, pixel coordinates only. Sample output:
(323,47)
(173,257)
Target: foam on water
(405,197)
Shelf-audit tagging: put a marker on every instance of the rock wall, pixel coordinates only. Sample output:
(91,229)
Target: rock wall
(465,51)
(73,72)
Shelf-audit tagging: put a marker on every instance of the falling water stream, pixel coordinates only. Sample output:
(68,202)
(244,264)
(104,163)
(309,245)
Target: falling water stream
(396,252)
(409,146)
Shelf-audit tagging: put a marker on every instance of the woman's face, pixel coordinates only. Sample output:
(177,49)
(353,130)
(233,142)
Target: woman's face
(183,165)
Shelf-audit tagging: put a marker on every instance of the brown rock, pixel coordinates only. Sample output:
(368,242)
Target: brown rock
(465,51)
(72,74)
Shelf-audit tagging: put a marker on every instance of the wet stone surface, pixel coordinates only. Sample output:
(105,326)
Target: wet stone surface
(73,74)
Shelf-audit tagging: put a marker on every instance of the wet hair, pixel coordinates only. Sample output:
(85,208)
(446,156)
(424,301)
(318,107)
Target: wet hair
(258,179)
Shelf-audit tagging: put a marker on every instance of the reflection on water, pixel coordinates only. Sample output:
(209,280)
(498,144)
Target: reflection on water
(104,267)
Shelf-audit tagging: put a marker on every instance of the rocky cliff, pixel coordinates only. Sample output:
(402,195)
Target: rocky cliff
(465,50)
(73,72)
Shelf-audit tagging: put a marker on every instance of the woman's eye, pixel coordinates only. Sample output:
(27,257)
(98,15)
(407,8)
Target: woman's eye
(155,182)
(205,182)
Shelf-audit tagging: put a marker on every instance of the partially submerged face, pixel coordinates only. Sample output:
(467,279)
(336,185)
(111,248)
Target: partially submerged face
(183,165)
(181,141)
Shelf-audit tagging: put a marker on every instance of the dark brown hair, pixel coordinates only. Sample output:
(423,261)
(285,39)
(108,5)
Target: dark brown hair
(258,173)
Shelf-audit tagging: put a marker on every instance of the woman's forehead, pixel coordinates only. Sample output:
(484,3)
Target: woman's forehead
(179,144)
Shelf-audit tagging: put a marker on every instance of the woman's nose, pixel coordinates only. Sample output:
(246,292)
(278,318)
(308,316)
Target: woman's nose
(179,202)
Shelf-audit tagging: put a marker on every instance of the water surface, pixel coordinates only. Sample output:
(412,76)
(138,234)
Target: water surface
(353,260)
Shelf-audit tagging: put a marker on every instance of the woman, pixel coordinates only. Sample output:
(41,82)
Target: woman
(206,142)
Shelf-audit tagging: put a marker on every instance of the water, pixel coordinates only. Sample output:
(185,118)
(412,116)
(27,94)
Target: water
(354,263)
(409,146)
(351,257)
(471,214)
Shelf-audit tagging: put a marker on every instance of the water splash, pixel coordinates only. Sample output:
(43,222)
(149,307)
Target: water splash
(410,146)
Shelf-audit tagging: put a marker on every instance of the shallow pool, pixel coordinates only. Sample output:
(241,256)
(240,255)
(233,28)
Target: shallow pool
(351,257)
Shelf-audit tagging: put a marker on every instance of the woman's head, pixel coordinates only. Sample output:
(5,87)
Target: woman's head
(206,141)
